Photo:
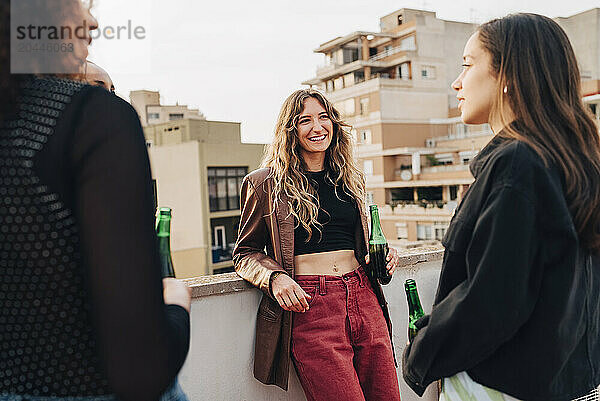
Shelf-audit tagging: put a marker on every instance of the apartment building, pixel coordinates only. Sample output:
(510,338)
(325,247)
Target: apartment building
(583,30)
(198,166)
(151,111)
(393,87)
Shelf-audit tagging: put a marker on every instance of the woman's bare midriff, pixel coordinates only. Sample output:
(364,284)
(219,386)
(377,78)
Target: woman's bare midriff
(333,263)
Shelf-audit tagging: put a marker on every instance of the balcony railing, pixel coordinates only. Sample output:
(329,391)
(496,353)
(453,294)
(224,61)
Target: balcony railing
(387,53)
(385,75)
(422,203)
(219,364)
(326,68)
(445,168)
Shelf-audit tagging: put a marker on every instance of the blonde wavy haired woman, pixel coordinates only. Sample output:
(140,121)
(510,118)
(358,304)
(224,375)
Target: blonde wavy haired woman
(319,309)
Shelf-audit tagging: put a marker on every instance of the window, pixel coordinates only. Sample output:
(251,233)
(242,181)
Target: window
(428,72)
(359,76)
(364,106)
(338,83)
(224,235)
(224,187)
(467,156)
(439,228)
(404,195)
(408,43)
(453,192)
(329,86)
(443,159)
(369,198)
(586,74)
(175,116)
(349,80)
(400,19)
(430,193)
(220,239)
(153,116)
(350,55)
(403,71)
(365,136)
(401,231)
(424,231)
(368,167)
(346,107)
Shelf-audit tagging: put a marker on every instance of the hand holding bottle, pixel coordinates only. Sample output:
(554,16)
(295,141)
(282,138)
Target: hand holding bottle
(393,259)
(176,292)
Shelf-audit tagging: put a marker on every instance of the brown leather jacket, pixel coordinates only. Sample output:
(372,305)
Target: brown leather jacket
(268,225)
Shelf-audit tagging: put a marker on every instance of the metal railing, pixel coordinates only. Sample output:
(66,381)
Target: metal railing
(421,203)
(387,53)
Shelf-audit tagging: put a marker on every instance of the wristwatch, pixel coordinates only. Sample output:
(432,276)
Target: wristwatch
(273,276)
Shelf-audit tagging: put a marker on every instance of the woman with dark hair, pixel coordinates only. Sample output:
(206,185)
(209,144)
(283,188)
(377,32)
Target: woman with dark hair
(517,311)
(83,314)
(319,307)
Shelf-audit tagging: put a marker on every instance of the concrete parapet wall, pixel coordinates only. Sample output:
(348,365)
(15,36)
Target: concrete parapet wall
(219,364)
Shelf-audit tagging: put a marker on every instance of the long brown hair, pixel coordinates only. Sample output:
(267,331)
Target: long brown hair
(538,78)
(288,169)
(54,13)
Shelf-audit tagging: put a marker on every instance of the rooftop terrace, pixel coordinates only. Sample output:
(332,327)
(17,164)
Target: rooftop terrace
(219,364)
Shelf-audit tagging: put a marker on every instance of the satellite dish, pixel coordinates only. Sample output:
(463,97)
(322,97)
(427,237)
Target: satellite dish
(406,175)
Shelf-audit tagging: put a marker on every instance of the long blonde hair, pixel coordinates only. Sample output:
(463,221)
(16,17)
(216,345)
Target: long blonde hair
(288,168)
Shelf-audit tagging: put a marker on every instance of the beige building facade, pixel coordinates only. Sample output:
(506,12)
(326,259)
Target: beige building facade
(394,88)
(151,111)
(198,166)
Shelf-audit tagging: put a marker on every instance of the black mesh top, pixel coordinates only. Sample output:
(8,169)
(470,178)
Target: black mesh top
(338,215)
(81,307)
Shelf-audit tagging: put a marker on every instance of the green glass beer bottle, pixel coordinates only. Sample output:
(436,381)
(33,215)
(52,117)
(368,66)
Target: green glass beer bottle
(378,249)
(415,311)
(163,232)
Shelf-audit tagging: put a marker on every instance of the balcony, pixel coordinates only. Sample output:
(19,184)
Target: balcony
(327,69)
(219,364)
(419,210)
(389,52)
(451,174)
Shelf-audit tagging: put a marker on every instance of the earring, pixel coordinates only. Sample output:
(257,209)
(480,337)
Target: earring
(505,89)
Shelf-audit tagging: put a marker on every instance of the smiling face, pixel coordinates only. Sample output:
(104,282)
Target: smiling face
(476,85)
(315,129)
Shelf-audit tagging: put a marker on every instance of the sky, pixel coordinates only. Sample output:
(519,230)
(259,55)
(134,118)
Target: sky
(237,60)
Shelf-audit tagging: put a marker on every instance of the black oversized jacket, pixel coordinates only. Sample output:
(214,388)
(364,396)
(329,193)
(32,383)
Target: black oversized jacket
(518,302)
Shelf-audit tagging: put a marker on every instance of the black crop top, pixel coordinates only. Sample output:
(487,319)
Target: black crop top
(337,215)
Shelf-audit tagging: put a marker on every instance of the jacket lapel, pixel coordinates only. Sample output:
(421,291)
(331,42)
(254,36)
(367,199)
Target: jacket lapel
(285,220)
(363,220)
